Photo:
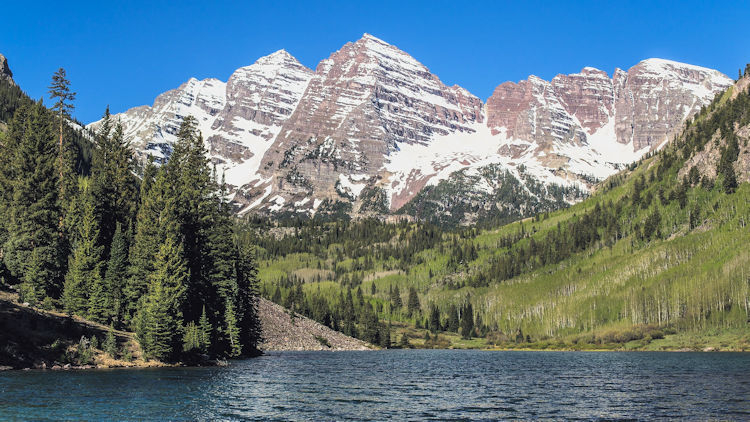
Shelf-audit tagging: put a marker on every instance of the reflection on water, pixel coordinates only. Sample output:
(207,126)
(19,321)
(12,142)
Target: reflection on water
(397,385)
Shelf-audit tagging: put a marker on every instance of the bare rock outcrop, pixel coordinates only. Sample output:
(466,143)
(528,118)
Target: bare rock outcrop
(5,72)
(281,331)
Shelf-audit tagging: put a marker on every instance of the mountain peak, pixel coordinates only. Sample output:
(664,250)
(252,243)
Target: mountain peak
(657,64)
(279,56)
(370,37)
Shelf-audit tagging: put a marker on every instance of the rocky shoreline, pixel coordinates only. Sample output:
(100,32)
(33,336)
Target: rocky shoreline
(32,338)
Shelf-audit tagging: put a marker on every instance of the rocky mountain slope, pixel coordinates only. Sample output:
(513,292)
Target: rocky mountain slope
(371,128)
(281,331)
(5,72)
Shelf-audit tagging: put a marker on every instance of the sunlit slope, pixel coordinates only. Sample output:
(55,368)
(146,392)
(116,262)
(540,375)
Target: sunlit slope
(664,243)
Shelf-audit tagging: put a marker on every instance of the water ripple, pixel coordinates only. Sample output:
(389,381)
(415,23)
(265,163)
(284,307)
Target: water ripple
(401,385)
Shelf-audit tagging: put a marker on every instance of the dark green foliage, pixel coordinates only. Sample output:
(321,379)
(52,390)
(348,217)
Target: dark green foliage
(84,291)
(110,344)
(116,275)
(413,302)
(467,321)
(204,332)
(434,319)
(396,298)
(33,253)
(11,99)
(452,323)
(374,200)
(113,183)
(404,342)
(162,258)
(160,316)
(725,169)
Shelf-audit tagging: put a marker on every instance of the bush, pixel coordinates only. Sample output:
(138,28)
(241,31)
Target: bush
(323,341)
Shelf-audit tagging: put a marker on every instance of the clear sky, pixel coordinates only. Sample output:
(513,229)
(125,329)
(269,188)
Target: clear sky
(124,53)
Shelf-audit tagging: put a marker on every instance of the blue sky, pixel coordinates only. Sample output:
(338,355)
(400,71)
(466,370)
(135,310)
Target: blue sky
(125,53)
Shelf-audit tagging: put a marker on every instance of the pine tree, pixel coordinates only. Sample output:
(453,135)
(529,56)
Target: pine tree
(452,324)
(110,343)
(247,284)
(161,314)
(232,330)
(434,319)
(207,253)
(205,331)
(59,91)
(385,336)
(191,340)
(84,270)
(116,274)
(413,303)
(467,321)
(404,343)
(33,252)
(113,183)
(157,206)
(396,298)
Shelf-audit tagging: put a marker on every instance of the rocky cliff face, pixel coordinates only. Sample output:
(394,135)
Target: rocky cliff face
(371,127)
(5,72)
(364,102)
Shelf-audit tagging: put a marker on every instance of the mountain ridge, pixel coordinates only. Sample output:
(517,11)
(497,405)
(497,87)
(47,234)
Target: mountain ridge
(371,118)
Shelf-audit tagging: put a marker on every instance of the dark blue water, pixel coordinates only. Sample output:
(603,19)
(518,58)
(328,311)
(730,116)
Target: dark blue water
(397,385)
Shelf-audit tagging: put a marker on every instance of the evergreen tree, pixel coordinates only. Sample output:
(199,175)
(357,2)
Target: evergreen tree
(33,252)
(160,312)
(453,323)
(60,93)
(113,182)
(404,343)
(413,303)
(110,343)
(84,291)
(434,319)
(467,321)
(205,331)
(116,274)
(396,298)
(232,330)
(188,169)
(247,284)
(157,209)
(191,340)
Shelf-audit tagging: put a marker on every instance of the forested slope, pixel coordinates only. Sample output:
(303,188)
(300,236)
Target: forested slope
(660,248)
(153,253)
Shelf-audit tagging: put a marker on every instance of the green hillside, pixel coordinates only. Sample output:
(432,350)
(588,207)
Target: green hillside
(655,258)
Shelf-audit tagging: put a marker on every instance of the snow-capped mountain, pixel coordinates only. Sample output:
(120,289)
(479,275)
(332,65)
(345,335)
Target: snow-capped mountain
(371,127)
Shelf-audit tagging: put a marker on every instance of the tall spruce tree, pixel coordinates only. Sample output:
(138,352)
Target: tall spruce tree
(60,93)
(147,237)
(116,275)
(247,284)
(160,314)
(413,302)
(113,182)
(467,321)
(196,204)
(85,267)
(32,250)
